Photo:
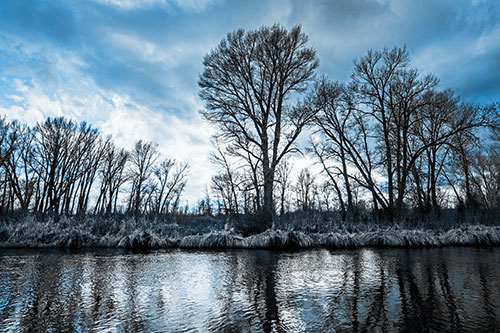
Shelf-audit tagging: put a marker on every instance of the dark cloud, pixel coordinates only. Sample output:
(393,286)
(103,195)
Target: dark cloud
(477,80)
(341,14)
(161,47)
(32,19)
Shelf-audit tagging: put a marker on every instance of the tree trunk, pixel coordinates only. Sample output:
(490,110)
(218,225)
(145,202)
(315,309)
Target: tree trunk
(267,208)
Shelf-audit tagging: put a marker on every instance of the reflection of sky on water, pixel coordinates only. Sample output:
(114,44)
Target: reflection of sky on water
(316,290)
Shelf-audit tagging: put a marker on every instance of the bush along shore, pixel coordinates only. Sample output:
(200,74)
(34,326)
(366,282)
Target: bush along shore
(207,232)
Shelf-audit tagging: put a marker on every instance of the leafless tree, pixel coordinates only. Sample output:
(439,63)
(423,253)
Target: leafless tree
(170,179)
(306,190)
(334,121)
(18,169)
(345,150)
(112,177)
(389,92)
(283,181)
(142,159)
(55,162)
(89,152)
(56,166)
(248,84)
(227,181)
(327,194)
(8,139)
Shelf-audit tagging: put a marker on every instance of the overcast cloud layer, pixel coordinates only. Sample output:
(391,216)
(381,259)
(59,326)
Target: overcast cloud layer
(130,67)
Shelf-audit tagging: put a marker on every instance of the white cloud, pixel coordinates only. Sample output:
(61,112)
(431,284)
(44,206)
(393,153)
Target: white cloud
(194,5)
(31,105)
(182,139)
(487,42)
(188,5)
(131,4)
(168,54)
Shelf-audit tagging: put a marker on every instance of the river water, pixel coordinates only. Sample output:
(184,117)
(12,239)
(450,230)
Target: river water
(437,289)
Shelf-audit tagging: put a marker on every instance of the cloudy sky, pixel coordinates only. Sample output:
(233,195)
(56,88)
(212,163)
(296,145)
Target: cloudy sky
(130,67)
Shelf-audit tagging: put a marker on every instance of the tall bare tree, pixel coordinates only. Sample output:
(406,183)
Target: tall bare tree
(8,146)
(389,92)
(248,83)
(345,150)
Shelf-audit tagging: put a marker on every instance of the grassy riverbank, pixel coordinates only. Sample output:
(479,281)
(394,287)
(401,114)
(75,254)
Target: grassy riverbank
(209,232)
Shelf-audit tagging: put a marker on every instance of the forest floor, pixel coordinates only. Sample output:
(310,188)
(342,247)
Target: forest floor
(30,231)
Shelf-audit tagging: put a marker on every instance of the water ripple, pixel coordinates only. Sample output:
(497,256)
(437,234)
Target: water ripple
(449,289)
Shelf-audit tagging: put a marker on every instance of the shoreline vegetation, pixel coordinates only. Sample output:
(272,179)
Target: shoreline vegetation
(208,232)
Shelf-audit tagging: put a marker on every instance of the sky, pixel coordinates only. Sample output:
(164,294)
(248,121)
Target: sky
(130,68)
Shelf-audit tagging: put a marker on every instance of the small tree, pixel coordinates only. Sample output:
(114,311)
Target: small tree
(142,159)
(112,177)
(306,190)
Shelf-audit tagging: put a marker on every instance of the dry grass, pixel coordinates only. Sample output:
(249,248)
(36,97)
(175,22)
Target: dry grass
(131,232)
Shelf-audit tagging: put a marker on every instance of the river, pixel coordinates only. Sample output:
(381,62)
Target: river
(438,289)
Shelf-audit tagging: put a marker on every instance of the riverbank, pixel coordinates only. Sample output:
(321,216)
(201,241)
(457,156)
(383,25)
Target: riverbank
(68,232)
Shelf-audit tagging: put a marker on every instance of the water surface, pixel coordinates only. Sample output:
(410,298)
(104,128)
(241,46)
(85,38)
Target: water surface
(447,289)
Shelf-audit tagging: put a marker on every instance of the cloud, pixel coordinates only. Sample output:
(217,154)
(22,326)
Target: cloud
(188,5)
(166,57)
(36,19)
(132,4)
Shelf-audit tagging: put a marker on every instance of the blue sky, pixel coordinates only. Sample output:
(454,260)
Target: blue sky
(131,67)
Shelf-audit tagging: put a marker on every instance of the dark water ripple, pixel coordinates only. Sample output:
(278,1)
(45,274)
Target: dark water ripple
(446,290)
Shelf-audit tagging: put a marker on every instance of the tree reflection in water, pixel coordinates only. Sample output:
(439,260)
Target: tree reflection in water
(449,289)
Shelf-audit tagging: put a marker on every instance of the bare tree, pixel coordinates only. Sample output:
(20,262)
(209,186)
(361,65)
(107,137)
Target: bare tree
(89,152)
(391,98)
(112,177)
(55,167)
(283,172)
(8,140)
(436,113)
(306,190)
(55,162)
(334,121)
(248,83)
(345,150)
(18,166)
(170,177)
(250,176)
(227,181)
(326,192)
(142,158)
(389,92)
(486,178)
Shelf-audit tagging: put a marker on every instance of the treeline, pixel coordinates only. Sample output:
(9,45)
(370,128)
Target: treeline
(389,141)
(61,167)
